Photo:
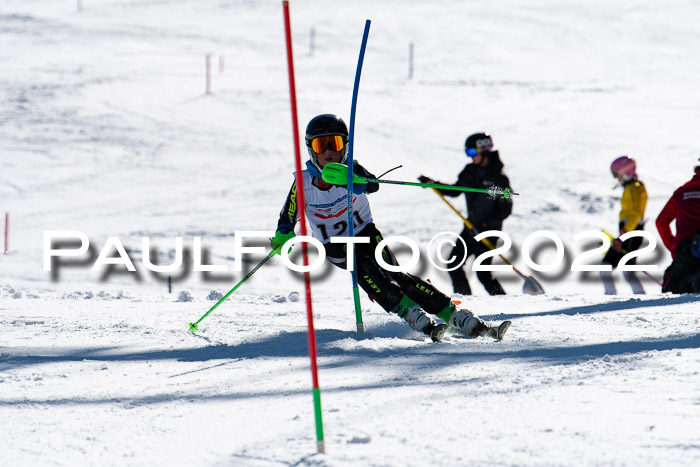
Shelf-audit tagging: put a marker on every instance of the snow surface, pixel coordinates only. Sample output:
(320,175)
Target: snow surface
(105,129)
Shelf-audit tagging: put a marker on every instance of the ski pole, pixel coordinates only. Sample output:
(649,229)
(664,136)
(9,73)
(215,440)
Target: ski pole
(337,174)
(537,288)
(194,326)
(624,252)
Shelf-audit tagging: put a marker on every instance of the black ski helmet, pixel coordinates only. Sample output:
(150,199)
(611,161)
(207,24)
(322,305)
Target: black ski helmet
(326,124)
(478,143)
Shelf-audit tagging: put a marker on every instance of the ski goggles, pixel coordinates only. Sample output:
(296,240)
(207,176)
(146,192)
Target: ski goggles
(624,172)
(473,152)
(319,144)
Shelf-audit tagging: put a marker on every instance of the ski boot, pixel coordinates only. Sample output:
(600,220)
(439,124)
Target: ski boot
(418,319)
(463,320)
(468,323)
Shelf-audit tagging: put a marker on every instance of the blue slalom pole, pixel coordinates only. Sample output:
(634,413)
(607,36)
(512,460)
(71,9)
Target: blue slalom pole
(351,146)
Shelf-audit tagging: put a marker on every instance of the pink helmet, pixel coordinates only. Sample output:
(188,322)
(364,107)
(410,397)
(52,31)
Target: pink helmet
(623,168)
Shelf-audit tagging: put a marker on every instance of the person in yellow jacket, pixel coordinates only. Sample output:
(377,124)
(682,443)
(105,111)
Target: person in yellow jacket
(634,202)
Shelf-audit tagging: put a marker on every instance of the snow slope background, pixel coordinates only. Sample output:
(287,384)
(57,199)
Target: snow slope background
(105,129)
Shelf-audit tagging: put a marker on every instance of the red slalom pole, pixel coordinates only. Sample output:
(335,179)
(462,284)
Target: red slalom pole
(311,334)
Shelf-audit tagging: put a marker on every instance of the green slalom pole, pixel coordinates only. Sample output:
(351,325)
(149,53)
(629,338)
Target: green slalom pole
(336,173)
(194,326)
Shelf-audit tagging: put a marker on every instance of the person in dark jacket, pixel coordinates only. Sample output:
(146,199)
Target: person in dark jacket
(683,275)
(484,212)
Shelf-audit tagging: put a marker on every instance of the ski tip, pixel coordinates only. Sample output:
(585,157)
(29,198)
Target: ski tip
(438,333)
(193,327)
(502,329)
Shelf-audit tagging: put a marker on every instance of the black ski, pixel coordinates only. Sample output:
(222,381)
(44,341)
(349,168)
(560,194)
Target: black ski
(500,331)
(496,332)
(438,332)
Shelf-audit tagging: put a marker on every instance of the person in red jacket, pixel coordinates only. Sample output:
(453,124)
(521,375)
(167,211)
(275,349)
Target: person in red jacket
(683,275)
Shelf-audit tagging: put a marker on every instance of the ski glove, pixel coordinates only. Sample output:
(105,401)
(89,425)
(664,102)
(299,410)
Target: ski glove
(359,188)
(424,179)
(280,239)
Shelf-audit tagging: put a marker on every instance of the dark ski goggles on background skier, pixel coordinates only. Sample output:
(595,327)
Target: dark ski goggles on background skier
(319,145)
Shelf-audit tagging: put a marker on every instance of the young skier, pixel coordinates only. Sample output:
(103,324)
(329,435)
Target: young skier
(326,211)
(683,275)
(634,201)
(484,170)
